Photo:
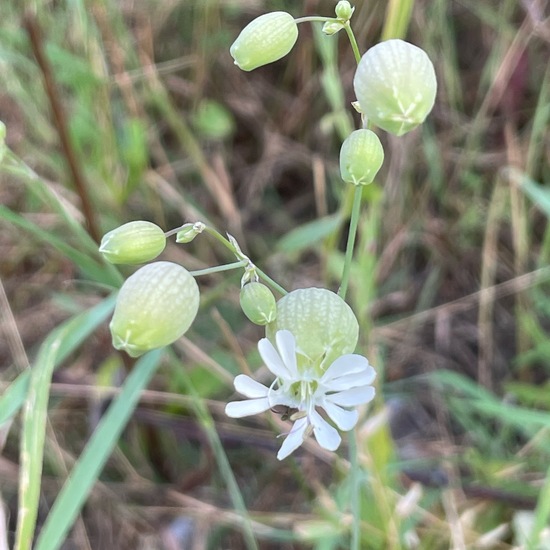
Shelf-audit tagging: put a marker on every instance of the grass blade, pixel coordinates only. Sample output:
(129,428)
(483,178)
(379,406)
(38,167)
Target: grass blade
(74,332)
(88,467)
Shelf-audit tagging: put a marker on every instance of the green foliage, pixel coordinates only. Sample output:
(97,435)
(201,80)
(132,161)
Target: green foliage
(164,127)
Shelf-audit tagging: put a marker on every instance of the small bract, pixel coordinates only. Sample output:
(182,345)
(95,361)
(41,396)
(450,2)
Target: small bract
(133,243)
(323,325)
(258,303)
(264,40)
(395,85)
(155,306)
(361,156)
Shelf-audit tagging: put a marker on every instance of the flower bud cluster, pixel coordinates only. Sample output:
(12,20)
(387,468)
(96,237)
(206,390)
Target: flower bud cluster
(158,303)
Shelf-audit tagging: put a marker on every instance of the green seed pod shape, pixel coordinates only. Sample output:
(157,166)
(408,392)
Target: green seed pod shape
(344,10)
(395,85)
(155,306)
(133,243)
(264,40)
(361,156)
(323,325)
(258,303)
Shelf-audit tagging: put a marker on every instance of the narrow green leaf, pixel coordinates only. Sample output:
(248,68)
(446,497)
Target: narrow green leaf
(105,274)
(34,386)
(309,234)
(75,331)
(13,398)
(538,194)
(88,467)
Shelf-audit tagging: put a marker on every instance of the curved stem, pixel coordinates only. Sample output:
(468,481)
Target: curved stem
(313,19)
(237,251)
(355,211)
(353,42)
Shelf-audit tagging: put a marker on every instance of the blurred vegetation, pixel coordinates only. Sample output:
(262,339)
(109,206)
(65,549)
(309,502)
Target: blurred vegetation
(137,112)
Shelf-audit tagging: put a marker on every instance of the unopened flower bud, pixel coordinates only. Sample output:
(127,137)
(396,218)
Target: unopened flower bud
(323,325)
(332,27)
(258,303)
(395,84)
(344,10)
(155,306)
(264,40)
(361,157)
(133,243)
(189,231)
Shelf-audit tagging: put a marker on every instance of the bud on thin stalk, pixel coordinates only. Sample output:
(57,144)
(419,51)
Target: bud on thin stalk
(264,40)
(395,85)
(155,306)
(361,157)
(258,303)
(135,242)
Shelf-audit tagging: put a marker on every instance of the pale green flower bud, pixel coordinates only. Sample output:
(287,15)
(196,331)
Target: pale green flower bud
(264,40)
(344,10)
(133,243)
(258,303)
(332,27)
(395,84)
(155,306)
(323,325)
(361,156)
(189,231)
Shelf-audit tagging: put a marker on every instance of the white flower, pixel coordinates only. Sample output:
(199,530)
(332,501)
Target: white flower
(301,385)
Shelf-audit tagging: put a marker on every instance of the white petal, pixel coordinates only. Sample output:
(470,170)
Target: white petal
(272,359)
(345,364)
(344,419)
(249,387)
(327,436)
(286,344)
(248,407)
(349,381)
(294,439)
(352,397)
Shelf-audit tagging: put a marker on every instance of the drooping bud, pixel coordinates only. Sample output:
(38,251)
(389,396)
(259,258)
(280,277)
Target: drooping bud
(258,303)
(155,306)
(395,85)
(344,10)
(133,243)
(189,231)
(361,156)
(264,40)
(323,325)
(332,27)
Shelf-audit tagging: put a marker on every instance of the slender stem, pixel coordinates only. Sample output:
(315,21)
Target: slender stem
(218,268)
(314,19)
(353,42)
(271,282)
(355,211)
(228,244)
(355,492)
(60,120)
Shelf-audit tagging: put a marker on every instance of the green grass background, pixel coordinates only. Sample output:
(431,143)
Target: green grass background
(449,281)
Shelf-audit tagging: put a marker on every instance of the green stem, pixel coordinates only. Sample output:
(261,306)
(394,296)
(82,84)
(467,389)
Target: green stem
(218,268)
(355,491)
(314,19)
(353,42)
(229,245)
(355,211)
(270,281)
